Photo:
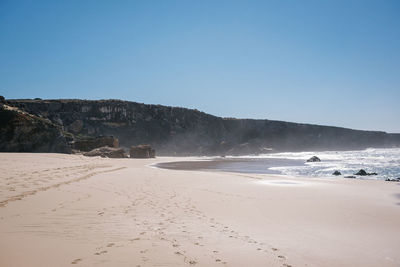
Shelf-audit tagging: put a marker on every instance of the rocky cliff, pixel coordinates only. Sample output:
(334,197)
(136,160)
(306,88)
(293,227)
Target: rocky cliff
(24,132)
(181,131)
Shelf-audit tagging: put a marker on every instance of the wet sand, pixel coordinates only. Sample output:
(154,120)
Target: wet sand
(241,165)
(69,210)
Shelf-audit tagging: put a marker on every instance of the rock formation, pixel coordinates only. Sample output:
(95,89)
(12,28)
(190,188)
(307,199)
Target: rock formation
(364,173)
(336,173)
(314,159)
(142,151)
(106,152)
(24,132)
(88,144)
(393,180)
(361,172)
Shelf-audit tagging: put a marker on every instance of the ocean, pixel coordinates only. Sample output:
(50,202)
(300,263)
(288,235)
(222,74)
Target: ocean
(384,162)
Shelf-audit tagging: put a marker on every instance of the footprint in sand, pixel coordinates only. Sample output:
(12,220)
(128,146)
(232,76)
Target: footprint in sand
(101,252)
(76,261)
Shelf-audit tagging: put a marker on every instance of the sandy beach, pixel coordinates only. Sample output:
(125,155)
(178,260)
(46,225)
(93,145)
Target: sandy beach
(70,210)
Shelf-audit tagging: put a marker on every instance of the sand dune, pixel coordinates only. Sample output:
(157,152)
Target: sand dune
(69,210)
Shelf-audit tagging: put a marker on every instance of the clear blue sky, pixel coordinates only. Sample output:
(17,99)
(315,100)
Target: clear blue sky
(324,62)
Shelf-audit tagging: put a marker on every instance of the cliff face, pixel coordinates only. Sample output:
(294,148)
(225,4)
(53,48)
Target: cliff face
(24,132)
(180,131)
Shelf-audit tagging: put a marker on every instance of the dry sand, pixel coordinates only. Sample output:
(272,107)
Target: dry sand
(69,210)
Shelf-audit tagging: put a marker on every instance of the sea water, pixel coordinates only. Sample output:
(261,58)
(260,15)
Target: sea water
(384,162)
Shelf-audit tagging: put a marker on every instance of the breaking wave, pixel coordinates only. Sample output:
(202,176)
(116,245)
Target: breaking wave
(385,162)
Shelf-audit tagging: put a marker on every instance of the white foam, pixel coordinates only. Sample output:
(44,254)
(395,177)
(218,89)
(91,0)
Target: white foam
(385,162)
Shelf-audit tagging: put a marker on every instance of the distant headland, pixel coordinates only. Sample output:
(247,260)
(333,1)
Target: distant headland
(36,125)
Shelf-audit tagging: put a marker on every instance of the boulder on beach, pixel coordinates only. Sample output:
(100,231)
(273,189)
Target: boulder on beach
(89,144)
(336,173)
(142,151)
(364,173)
(393,180)
(351,177)
(106,152)
(361,172)
(314,159)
